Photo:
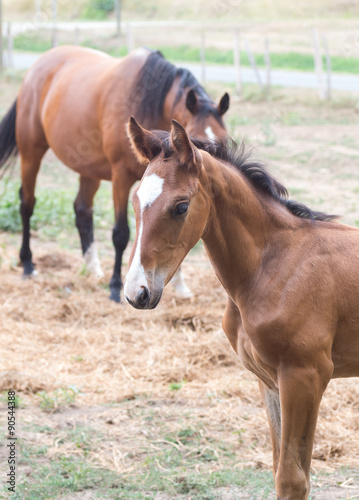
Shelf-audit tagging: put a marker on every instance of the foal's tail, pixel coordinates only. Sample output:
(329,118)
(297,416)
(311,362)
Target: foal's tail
(8,146)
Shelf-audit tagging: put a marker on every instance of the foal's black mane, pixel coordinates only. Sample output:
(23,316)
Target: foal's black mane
(155,80)
(240,157)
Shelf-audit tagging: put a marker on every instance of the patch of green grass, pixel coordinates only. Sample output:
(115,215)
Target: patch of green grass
(19,403)
(53,213)
(38,428)
(178,463)
(200,486)
(288,60)
(36,42)
(58,400)
(63,476)
(32,42)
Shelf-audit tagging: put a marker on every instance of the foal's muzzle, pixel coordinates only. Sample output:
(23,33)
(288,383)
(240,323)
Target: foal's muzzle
(144,300)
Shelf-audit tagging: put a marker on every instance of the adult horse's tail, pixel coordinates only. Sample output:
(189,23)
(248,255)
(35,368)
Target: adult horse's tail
(8,146)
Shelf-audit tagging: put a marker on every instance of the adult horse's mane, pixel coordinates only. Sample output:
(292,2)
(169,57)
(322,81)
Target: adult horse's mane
(155,80)
(240,157)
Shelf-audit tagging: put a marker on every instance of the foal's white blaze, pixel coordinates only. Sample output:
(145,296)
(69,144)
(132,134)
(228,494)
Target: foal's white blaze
(149,190)
(92,261)
(210,133)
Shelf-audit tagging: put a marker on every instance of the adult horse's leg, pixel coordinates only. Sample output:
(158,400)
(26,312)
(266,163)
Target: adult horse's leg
(122,181)
(272,406)
(180,286)
(301,389)
(29,170)
(84,222)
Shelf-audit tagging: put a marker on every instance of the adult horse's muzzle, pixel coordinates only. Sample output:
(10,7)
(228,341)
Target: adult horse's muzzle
(144,299)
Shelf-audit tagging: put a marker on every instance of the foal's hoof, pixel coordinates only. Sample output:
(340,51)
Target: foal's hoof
(115,295)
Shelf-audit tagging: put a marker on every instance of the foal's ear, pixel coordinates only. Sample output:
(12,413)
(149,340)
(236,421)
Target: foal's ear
(144,144)
(188,153)
(223,104)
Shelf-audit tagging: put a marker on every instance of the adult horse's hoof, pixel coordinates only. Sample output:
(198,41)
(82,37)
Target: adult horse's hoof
(29,270)
(115,295)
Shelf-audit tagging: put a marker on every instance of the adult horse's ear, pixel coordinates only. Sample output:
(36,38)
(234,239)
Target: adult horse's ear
(144,143)
(188,153)
(223,104)
(192,102)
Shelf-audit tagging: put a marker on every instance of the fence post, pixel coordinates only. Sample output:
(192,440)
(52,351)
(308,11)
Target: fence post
(118,16)
(38,9)
(77,36)
(237,62)
(1,40)
(203,57)
(318,63)
(254,66)
(129,37)
(9,46)
(54,41)
(329,68)
(268,62)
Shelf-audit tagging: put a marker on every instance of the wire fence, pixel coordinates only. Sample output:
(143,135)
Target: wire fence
(237,42)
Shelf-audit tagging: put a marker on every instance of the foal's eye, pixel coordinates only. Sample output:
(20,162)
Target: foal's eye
(180,209)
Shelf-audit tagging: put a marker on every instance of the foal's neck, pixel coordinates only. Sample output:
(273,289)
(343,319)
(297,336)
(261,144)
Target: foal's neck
(241,222)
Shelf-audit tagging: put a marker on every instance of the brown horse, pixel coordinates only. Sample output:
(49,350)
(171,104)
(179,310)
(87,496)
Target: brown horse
(77,101)
(291,275)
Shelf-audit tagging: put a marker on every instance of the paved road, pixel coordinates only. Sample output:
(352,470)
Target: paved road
(226,74)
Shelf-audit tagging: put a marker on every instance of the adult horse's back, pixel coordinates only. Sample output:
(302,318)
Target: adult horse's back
(76,101)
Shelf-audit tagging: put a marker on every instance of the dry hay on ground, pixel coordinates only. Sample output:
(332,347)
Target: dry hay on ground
(60,330)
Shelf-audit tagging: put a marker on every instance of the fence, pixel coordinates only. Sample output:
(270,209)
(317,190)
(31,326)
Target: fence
(239,41)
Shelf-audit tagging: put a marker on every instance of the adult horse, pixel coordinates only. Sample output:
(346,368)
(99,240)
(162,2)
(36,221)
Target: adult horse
(291,275)
(77,101)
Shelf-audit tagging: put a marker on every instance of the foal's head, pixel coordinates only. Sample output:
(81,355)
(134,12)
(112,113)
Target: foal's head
(171,211)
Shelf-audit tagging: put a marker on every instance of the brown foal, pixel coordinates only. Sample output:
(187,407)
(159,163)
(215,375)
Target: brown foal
(291,275)
(77,101)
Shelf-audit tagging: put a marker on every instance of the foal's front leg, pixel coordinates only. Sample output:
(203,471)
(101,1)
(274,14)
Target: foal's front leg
(301,390)
(271,402)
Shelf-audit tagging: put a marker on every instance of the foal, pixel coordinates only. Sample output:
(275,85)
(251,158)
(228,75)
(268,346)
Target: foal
(291,275)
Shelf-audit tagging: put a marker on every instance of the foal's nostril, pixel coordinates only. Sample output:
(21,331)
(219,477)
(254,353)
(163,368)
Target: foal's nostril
(143,297)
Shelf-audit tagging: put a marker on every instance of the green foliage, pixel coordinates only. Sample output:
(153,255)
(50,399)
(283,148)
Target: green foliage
(58,400)
(98,9)
(103,5)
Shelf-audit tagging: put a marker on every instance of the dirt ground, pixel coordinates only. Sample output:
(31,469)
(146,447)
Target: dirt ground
(138,378)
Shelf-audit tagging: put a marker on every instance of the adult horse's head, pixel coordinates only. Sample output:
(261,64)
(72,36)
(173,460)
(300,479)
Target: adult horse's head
(171,210)
(200,116)
(163,92)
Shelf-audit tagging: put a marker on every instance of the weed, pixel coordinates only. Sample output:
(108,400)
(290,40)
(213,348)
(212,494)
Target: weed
(58,400)
(77,359)
(269,136)
(176,386)
(19,403)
